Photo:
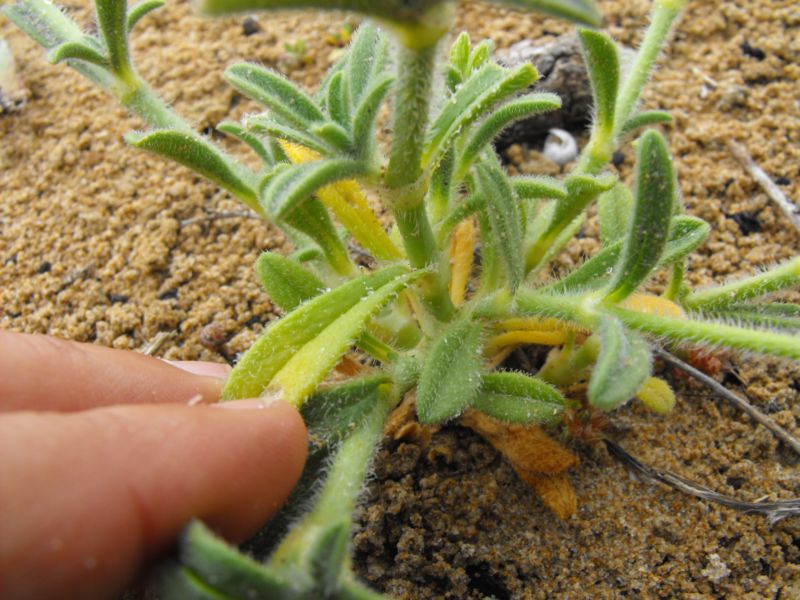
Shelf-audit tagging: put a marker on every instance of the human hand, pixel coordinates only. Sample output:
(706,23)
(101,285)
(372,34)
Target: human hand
(106,454)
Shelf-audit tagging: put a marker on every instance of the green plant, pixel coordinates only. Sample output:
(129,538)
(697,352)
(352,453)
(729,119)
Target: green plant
(417,315)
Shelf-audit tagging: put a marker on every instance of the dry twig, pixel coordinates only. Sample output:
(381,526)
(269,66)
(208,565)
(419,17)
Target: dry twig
(739,402)
(774,511)
(154,345)
(770,187)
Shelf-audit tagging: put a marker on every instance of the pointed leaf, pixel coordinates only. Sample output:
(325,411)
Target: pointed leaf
(450,378)
(199,155)
(479,56)
(505,218)
(174,582)
(602,63)
(225,569)
(78,51)
(262,150)
(459,55)
(614,210)
(330,414)
(287,283)
(622,366)
(645,118)
(335,135)
(581,11)
(312,219)
(535,187)
(686,233)
(487,87)
(141,10)
(517,398)
(112,21)
(501,118)
(275,92)
(297,183)
(284,338)
(650,222)
(337,102)
(366,113)
(365,61)
(311,364)
(301,136)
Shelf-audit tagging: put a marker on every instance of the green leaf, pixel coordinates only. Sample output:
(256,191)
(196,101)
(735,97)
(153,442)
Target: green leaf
(459,55)
(614,210)
(307,367)
(602,63)
(312,219)
(366,113)
(331,413)
(650,222)
(174,582)
(328,557)
(451,376)
(284,338)
(643,119)
(287,283)
(263,151)
(622,366)
(534,187)
(479,56)
(267,125)
(520,108)
(225,569)
(275,92)
(112,21)
(199,155)
(335,135)
(686,233)
(77,51)
(581,11)
(294,185)
(484,89)
(505,219)
(337,102)
(518,398)
(141,10)
(366,60)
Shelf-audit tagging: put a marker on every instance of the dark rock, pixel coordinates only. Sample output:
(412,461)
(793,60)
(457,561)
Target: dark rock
(783,181)
(171,294)
(250,26)
(617,158)
(753,51)
(117,298)
(747,221)
(44,268)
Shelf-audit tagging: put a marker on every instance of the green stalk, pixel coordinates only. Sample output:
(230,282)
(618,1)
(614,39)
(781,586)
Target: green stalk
(579,310)
(676,288)
(343,486)
(663,15)
(415,67)
(784,276)
(711,334)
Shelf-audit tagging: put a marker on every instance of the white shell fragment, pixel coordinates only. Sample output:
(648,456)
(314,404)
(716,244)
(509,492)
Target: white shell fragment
(560,146)
(12,93)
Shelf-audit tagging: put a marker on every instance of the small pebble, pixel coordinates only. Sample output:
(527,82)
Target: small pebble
(560,147)
(250,26)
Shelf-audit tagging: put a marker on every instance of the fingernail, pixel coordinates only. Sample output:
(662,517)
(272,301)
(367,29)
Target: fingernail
(198,367)
(251,404)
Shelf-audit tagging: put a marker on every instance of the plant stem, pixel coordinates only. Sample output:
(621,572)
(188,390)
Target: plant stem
(711,334)
(410,114)
(779,278)
(661,19)
(343,486)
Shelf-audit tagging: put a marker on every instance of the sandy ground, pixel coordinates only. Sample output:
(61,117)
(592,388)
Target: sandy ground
(93,247)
